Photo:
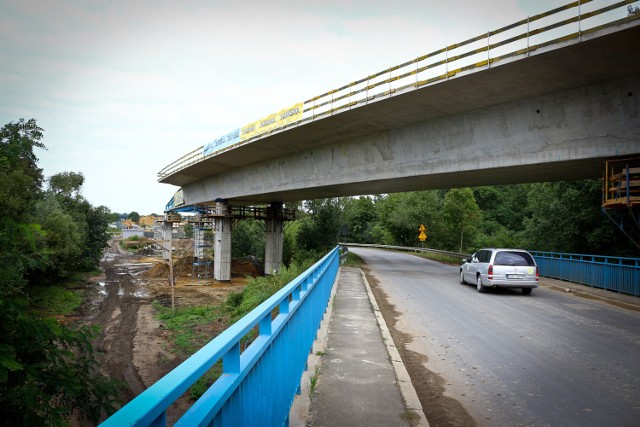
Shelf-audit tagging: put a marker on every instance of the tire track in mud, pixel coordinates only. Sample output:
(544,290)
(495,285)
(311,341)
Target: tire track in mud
(117,316)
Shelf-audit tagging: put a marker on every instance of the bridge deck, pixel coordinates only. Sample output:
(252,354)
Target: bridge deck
(596,57)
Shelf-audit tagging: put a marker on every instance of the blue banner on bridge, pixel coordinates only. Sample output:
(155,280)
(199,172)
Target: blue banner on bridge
(222,142)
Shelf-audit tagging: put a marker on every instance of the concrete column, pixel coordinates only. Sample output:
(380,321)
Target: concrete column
(274,238)
(222,243)
(167,228)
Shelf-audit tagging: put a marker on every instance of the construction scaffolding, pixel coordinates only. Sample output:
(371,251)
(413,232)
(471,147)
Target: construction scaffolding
(202,248)
(204,229)
(621,196)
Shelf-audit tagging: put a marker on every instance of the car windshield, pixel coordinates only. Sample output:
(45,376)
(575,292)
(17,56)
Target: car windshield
(513,258)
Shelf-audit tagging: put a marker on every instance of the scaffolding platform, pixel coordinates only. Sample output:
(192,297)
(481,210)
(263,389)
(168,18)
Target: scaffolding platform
(621,196)
(621,184)
(202,268)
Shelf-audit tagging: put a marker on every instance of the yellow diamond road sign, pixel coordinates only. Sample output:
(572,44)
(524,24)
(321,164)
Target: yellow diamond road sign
(423,235)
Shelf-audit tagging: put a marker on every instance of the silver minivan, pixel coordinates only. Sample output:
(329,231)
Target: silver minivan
(508,268)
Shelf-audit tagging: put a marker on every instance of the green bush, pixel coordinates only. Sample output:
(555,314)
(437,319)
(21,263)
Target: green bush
(259,289)
(52,300)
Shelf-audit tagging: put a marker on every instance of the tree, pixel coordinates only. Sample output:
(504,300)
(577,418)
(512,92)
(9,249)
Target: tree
(113,217)
(47,370)
(96,236)
(247,239)
(188,231)
(401,214)
(21,240)
(134,216)
(67,184)
(503,212)
(567,217)
(360,217)
(64,238)
(462,215)
(320,228)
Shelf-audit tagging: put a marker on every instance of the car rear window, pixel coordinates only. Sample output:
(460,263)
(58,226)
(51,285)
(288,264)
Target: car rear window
(513,258)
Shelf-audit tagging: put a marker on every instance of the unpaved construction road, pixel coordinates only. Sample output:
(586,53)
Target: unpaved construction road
(132,346)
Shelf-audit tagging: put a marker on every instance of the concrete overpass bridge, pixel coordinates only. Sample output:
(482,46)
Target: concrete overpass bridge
(550,97)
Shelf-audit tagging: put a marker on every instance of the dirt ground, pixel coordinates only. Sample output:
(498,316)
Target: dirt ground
(429,386)
(132,346)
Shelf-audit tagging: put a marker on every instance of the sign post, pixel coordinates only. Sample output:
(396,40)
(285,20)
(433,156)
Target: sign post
(422,236)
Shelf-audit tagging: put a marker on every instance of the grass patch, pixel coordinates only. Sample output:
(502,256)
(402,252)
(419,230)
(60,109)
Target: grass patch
(80,278)
(352,260)
(186,323)
(190,330)
(55,300)
(313,382)
(446,259)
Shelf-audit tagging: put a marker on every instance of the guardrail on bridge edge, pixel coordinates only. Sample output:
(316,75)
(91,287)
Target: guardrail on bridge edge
(276,357)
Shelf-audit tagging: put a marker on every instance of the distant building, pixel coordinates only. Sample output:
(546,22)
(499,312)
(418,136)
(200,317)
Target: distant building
(130,232)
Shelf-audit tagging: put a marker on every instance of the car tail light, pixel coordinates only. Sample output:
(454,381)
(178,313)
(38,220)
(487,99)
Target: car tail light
(490,272)
(537,274)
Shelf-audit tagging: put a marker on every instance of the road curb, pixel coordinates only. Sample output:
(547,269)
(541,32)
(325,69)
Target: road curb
(408,392)
(624,301)
(299,411)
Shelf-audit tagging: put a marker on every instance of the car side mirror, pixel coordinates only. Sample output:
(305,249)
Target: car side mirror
(464,260)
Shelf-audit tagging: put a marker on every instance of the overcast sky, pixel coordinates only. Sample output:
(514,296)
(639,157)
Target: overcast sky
(123,88)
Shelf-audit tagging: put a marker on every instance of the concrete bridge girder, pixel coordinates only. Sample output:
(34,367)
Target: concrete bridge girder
(563,135)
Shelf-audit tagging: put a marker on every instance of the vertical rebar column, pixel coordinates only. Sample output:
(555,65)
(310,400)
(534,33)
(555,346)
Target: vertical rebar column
(274,238)
(222,243)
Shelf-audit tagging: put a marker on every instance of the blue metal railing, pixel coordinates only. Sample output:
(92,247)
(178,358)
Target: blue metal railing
(606,272)
(257,385)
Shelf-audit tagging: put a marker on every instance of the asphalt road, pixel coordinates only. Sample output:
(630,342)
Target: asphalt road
(549,359)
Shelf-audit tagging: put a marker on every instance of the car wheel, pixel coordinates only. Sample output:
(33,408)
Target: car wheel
(462,282)
(481,288)
(526,291)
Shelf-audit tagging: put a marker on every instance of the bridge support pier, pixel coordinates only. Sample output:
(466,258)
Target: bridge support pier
(274,238)
(222,243)
(167,229)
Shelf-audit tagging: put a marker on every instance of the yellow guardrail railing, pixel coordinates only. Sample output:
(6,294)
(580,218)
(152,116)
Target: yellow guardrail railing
(571,21)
